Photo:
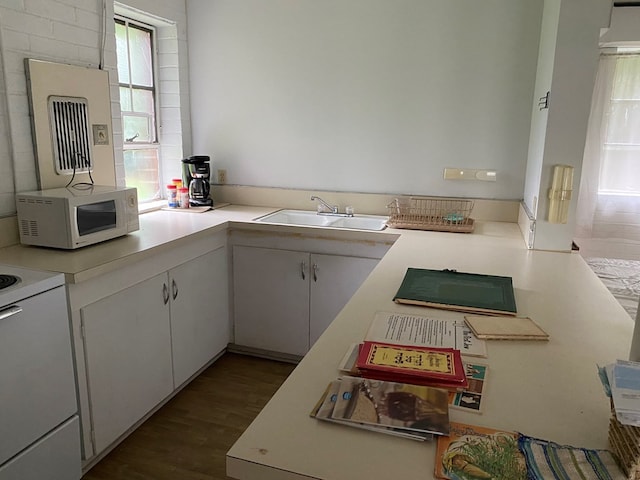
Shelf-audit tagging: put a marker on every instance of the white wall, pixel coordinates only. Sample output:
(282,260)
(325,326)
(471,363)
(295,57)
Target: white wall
(575,60)
(69,31)
(546,56)
(365,95)
(625,22)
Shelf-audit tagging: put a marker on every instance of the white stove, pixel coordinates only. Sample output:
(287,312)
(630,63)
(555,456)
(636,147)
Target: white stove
(39,421)
(19,283)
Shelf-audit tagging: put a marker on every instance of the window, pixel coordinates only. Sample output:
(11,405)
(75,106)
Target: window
(134,43)
(620,167)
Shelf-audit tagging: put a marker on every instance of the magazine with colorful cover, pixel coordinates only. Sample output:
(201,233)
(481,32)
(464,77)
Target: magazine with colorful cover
(413,408)
(324,408)
(471,399)
(472,452)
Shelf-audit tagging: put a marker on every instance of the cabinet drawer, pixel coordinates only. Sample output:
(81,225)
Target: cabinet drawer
(56,456)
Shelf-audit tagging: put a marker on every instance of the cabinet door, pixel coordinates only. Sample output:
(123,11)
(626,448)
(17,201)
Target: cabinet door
(271,299)
(199,312)
(128,355)
(334,280)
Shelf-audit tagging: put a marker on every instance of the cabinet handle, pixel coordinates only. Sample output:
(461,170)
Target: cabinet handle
(174,289)
(10,312)
(315,272)
(303,268)
(165,293)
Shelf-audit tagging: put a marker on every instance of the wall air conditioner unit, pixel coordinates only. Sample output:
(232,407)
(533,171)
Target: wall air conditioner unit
(71,124)
(69,120)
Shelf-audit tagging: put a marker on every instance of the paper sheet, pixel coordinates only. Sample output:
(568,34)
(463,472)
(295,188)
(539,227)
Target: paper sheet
(406,329)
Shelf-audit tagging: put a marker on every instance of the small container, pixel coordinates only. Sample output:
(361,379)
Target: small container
(177,182)
(183,197)
(172,196)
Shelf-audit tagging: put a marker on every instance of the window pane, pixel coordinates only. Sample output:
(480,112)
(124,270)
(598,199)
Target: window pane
(142,101)
(140,51)
(136,128)
(125,99)
(620,170)
(624,122)
(627,78)
(141,171)
(121,53)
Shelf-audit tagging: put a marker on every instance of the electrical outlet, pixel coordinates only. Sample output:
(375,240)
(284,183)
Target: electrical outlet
(222,176)
(469,174)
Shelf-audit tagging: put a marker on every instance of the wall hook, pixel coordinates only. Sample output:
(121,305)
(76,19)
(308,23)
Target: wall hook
(543,102)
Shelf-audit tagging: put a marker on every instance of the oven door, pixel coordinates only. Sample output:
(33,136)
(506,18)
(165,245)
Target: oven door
(36,370)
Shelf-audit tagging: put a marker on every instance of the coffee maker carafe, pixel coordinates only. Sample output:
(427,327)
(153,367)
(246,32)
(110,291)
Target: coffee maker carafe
(195,175)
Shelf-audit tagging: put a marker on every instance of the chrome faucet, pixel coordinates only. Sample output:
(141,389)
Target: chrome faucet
(331,208)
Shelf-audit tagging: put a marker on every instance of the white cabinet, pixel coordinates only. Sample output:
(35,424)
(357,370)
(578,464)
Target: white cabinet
(334,280)
(128,356)
(271,299)
(283,300)
(143,342)
(199,313)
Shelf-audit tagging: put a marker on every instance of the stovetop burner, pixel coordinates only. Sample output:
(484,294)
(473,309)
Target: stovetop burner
(8,280)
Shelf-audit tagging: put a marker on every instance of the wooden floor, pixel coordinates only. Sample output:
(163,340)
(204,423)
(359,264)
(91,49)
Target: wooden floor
(188,438)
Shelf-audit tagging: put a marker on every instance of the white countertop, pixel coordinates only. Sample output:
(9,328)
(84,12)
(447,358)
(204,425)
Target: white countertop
(544,389)
(159,230)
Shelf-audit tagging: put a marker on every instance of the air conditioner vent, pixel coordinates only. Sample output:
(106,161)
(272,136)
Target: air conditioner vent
(37,201)
(29,228)
(70,133)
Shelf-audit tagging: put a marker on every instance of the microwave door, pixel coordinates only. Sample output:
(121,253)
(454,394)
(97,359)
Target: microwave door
(96,217)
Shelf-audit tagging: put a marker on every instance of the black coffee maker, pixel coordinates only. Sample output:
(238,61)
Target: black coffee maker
(195,175)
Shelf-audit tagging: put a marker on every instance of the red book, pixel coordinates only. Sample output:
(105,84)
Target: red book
(430,366)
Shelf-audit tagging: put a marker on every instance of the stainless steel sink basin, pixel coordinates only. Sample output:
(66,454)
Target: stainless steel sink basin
(311,218)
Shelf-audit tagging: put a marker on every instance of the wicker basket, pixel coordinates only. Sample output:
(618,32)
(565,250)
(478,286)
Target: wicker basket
(420,213)
(625,445)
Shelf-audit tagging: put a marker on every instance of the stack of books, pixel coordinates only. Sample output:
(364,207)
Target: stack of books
(410,411)
(428,366)
(622,382)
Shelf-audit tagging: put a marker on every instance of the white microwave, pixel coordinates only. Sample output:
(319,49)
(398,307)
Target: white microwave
(75,217)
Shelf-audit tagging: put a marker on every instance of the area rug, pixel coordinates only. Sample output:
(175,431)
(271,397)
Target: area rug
(622,278)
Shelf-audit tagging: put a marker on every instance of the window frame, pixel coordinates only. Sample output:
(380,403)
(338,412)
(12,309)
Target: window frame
(128,22)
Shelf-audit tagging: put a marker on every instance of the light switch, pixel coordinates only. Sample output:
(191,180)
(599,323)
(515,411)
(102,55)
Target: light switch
(452,173)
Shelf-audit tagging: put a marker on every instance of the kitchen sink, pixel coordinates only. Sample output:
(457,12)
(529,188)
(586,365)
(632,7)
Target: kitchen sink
(361,222)
(313,219)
